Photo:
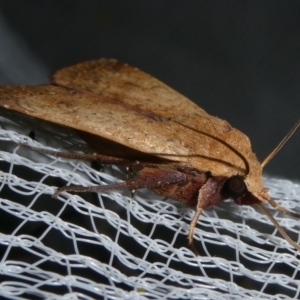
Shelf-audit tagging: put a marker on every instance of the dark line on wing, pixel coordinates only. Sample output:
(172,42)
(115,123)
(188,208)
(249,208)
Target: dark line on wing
(247,167)
(147,113)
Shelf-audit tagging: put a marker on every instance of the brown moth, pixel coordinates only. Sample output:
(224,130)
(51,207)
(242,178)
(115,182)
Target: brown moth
(132,119)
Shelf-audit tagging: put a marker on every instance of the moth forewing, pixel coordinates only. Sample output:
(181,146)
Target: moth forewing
(182,151)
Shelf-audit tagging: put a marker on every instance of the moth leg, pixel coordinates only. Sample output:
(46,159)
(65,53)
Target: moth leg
(192,229)
(282,209)
(279,228)
(209,195)
(104,159)
(93,188)
(146,178)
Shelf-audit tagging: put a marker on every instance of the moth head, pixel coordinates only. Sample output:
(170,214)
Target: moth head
(236,187)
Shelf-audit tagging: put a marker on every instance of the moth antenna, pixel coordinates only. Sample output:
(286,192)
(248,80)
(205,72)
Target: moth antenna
(280,145)
(272,201)
(280,229)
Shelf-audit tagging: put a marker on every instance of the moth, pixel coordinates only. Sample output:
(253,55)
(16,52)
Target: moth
(130,118)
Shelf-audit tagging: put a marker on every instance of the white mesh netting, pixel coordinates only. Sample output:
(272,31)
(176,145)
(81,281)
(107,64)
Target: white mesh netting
(92,246)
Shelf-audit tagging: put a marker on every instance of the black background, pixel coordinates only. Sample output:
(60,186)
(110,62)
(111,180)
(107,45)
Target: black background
(239,60)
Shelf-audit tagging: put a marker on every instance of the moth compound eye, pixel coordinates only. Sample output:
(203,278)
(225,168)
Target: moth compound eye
(234,187)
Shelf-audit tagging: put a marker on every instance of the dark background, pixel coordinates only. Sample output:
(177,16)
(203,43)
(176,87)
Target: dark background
(239,60)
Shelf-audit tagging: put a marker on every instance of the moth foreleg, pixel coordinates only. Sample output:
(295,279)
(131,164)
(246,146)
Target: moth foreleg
(283,209)
(279,228)
(209,195)
(192,229)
